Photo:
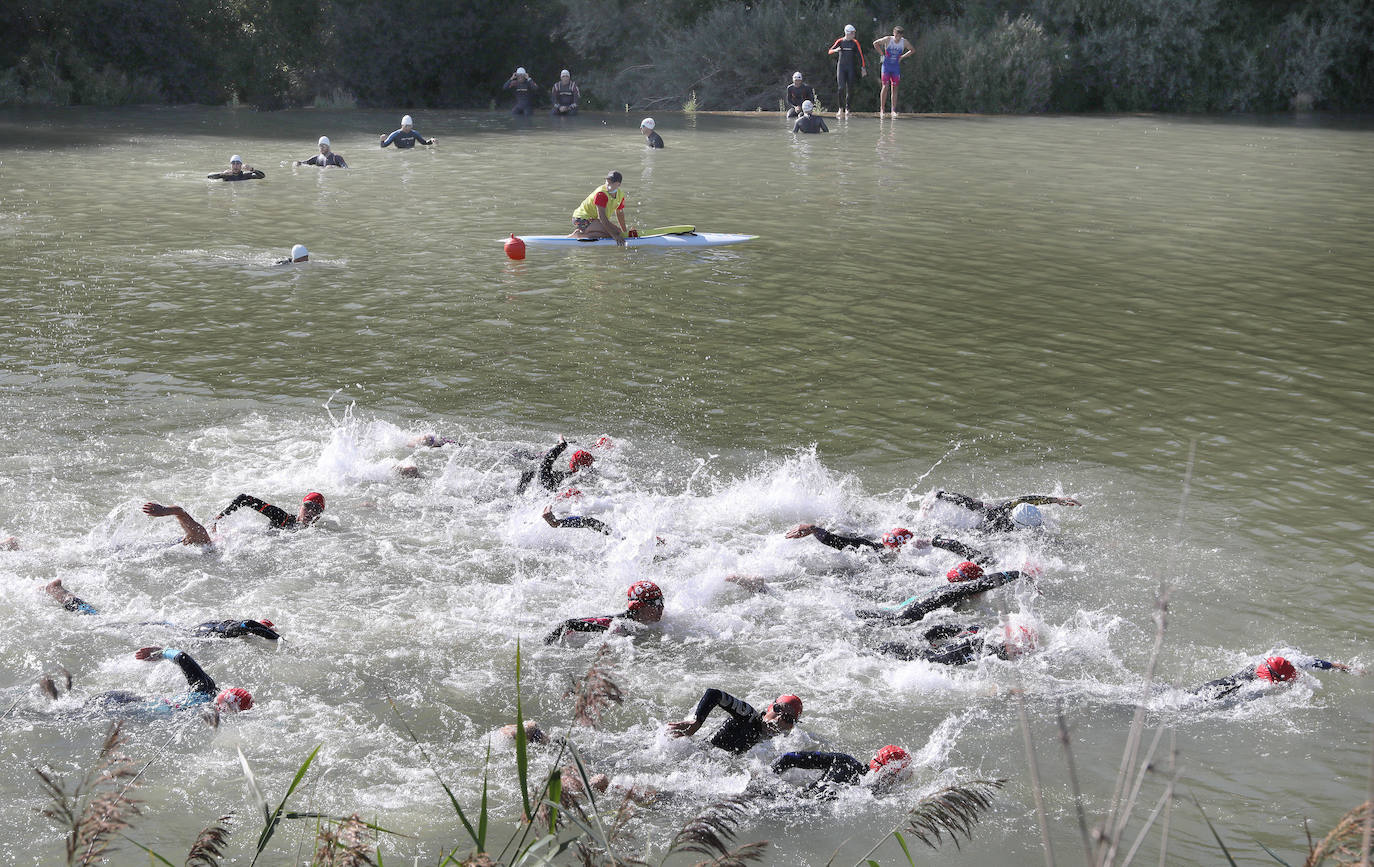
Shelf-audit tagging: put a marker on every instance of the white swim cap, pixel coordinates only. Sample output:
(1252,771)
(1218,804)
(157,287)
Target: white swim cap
(565,74)
(236,159)
(324,139)
(796,76)
(1026,515)
(807,105)
(520,70)
(646,123)
(299,252)
(849,28)
(407,121)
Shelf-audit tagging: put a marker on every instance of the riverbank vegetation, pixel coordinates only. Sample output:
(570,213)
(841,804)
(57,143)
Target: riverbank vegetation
(970,55)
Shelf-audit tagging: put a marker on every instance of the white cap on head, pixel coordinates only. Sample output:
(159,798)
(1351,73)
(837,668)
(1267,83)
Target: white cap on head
(407,121)
(1026,515)
(299,252)
(565,74)
(849,28)
(796,76)
(520,70)
(236,159)
(646,123)
(324,140)
(807,105)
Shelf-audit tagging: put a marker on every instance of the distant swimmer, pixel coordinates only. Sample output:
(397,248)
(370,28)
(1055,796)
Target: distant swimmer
(890,545)
(959,644)
(311,508)
(850,66)
(67,599)
(799,92)
(298,254)
(894,49)
(202,691)
(406,136)
(238,171)
(209,629)
(575,522)
(325,157)
(9,543)
(644,606)
(887,768)
(565,94)
(746,727)
(591,219)
(433,441)
(651,138)
(525,91)
(1018,514)
(549,478)
(809,122)
(967,581)
(1272,671)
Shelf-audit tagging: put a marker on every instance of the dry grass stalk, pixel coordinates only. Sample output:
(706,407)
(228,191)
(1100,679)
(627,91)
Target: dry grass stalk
(595,692)
(97,807)
(209,845)
(952,811)
(349,844)
(1345,844)
(710,833)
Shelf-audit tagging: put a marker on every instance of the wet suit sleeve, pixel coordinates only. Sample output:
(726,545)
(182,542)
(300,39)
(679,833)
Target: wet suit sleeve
(548,476)
(957,547)
(953,594)
(196,677)
(714,698)
(838,542)
(960,500)
(1001,514)
(278,517)
(579,624)
(580,522)
(236,629)
(835,767)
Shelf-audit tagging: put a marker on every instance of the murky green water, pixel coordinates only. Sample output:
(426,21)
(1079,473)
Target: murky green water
(995,306)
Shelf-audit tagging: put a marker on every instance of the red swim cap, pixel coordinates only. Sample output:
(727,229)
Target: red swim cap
(581,458)
(642,593)
(265,622)
(896,537)
(314,497)
(234,700)
(890,758)
(965,571)
(792,703)
(569,493)
(1276,669)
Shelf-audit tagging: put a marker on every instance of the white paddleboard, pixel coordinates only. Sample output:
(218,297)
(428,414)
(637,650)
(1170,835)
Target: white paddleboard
(685,239)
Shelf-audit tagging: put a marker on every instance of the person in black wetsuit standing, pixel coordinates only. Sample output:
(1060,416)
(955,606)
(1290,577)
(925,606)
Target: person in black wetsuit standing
(967,580)
(550,478)
(850,66)
(809,122)
(1017,514)
(238,172)
(406,136)
(645,605)
(525,92)
(746,726)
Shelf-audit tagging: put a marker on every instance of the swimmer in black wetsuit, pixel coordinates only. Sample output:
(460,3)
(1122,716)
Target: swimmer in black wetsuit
(406,136)
(952,644)
(850,65)
(525,91)
(645,606)
(1018,514)
(550,478)
(651,138)
(809,122)
(575,522)
(967,580)
(209,629)
(238,171)
(67,599)
(312,506)
(1274,670)
(746,726)
(891,543)
(298,254)
(202,691)
(842,769)
(325,157)
(799,93)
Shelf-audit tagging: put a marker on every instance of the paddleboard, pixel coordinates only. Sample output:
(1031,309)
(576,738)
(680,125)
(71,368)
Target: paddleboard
(656,238)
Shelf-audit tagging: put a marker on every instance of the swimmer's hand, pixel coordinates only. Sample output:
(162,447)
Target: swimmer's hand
(148,653)
(685,728)
(1069,501)
(156,510)
(548,516)
(801,531)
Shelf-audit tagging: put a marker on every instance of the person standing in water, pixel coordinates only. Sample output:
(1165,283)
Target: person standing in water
(566,94)
(406,136)
(651,138)
(325,157)
(525,90)
(850,66)
(809,122)
(592,217)
(894,49)
(238,172)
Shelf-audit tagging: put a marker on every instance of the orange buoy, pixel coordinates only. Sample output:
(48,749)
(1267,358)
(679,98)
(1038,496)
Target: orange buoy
(515,248)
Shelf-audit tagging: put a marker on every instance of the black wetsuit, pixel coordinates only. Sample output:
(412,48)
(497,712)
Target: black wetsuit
(796,95)
(745,728)
(913,611)
(77,604)
(654,140)
(565,97)
(957,645)
(203,691)
(837,769)
(839,542)
(850,64)
(996,519)
(548,476)
(582,522)
(810,123)
(253,175)
(1224,686)
(585,624)
(525,89)
(322,160)
(403,138)
(235,629)
(280,519)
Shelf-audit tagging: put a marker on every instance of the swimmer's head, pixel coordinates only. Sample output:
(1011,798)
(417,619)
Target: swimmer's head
(265,622)
(645,601)
(891,759)
(236,160)
(234,700)
(299,253)
(896,538)
(580,460)
(1027,516)
(312,506)
(965,571)
(647,123)
(784,712)
(849,28)
(565,74)
(324,144)
(796,76)
(407,122)
(1276,669)
(520,70)
(807,106)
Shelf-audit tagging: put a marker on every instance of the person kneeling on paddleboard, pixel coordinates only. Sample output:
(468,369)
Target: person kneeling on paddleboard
(592,220)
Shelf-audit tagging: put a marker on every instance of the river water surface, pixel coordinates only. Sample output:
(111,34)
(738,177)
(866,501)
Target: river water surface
(996,306)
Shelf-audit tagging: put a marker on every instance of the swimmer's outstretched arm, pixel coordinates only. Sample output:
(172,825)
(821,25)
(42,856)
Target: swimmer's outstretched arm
(196,677)
(278,517)
(965,551)
(196,534)
(711,699)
